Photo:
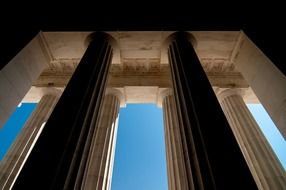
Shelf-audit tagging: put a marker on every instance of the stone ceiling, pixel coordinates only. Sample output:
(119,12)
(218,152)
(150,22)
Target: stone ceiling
(214,48)
(138,62)
(140,52)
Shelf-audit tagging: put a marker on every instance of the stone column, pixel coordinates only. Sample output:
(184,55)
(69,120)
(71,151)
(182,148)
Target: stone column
(265,79)
(210,148)
(59,156)
(98,170)
(18,153)
(176,168)
(262,161)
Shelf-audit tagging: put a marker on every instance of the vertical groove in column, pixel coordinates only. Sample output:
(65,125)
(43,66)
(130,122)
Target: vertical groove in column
(210,148)
(98,171)
(111,148)
(167,141)
(175,158)
(262,161)
(109,116)
(15,158)
(182,168)
(168,146)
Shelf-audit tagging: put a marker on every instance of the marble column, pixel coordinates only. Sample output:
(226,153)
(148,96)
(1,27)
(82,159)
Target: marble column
(176,166)
(18,153)
(262,161)
(264,78)
(98,170)
(210,149)
(59,156)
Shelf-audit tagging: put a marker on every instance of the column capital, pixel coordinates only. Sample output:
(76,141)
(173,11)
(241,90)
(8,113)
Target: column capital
(53,91)
(36,93)
(118,93)
(177,35)
(223,93)
(116,57)
(162,93)
(92,36)
(171,38)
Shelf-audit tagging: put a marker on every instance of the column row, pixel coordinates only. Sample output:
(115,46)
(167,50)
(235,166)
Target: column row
(261,160)
(202,150)
(101,152)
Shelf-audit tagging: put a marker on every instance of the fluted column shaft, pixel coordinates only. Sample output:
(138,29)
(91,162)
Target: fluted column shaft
(210,149)
(176,168)
(16,156)
(262,161)
(98,170)
(59,155)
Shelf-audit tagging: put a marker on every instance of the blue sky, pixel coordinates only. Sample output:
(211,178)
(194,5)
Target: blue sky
(270,131)
(140,151)
(13,126)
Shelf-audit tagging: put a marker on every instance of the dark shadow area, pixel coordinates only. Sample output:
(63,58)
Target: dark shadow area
(262,22)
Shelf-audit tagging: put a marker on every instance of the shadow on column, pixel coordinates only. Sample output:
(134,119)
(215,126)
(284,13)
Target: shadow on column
(210,148)
(57,156)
